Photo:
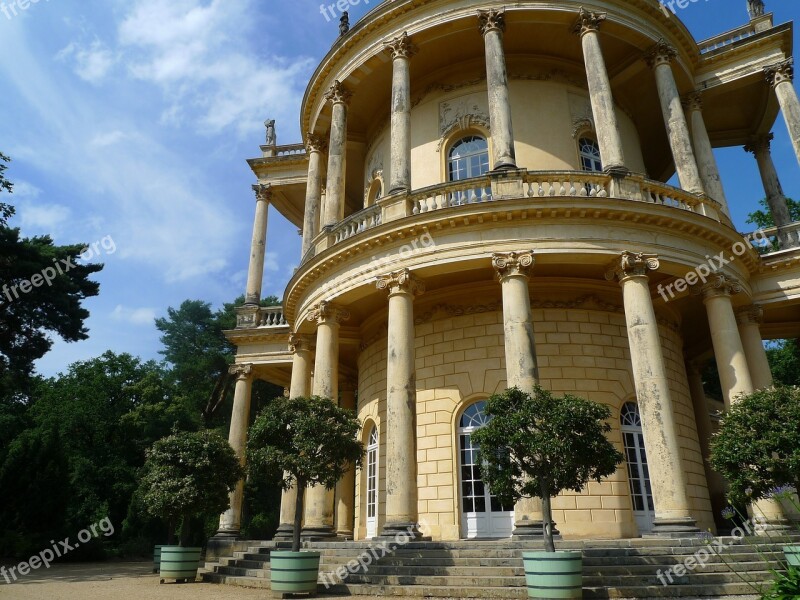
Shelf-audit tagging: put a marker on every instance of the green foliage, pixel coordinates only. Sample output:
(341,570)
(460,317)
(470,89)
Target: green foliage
(763,218)
(6,210)
(784,360)
(304,442)
(785,587)
(538,445)
(189,474)
(757,448)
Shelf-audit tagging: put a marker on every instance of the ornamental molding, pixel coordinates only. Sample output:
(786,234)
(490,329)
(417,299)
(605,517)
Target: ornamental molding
(632,264)
(662,53)
(582,125)
(401,47)
(491,20)
(513,264)
(462,124)
(401,282)
(327,312)
(338,94)
(588,22)
(780,72)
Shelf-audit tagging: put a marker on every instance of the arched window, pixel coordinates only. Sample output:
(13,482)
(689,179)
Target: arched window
(638,470)
(469,157)
(372,483)
(589,153)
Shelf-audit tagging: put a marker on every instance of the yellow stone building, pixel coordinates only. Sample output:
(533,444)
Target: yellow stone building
(483,203)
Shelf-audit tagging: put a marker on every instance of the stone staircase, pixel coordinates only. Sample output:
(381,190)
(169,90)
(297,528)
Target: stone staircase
(493,569)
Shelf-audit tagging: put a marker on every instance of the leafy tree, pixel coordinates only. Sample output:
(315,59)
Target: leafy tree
(763,218)
(757,448)
(784,360)
(6,210)
(537,445)
(304,442)
(189,474)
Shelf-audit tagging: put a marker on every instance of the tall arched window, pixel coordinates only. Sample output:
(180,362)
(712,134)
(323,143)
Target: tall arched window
(372,483)
(638,470)
(469,157)
(590,155)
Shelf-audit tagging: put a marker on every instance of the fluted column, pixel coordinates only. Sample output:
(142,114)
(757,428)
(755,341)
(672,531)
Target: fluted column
(706,161)
(255,272)
(605,115)
(333,210)
(492,25)
(781,77)
(401,401)
(522,371)
(760,147)
(315,146)
(346,487)
(734,373)
(702,417)
(749,319)
(319,501)
(401,50)
(673,515)
(660,57)
(300,386)
(231,520)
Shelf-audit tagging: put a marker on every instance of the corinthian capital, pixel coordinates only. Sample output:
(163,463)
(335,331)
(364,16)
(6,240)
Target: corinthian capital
(401,47)
(632,264)
(263,192)
(779,73)
(717,285)
(693,101)
(315,143)
(327,312)
(298,342)
(752,314)
(662,53)
(242,371)
(491,20)
(401,282)
(759,144)
(338,93)
(510,264)
(588,22)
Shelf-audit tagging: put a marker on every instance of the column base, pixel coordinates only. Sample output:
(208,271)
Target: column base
(503,166)
(617,171)
(317,534)
(345,536)
(228,534)
(405,529)
(285,533)
(532,530)
(674,528)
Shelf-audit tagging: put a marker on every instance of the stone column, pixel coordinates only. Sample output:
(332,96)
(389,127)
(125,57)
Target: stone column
(734,373)
(319,501)
(667,477)
(401,401)
(315,146)
(255,272)
(660,57)
(492,24)
(401,50)
(513,271)
(605,115)
(300,345)
(333,210)
(749,319)
(231,520)
(780,77)
(776,200)
(346,488)
(706,162)
(702,417)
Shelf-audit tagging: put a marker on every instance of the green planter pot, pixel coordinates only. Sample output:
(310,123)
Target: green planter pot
(157,558)
(554,574)
(792,554)
(179,563)
(294,572)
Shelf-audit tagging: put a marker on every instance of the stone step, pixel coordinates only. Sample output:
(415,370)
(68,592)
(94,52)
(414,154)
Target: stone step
(697,578)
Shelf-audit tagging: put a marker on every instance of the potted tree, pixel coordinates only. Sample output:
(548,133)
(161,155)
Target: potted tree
(303,442)
(187,474)
(757,449)
(536,446)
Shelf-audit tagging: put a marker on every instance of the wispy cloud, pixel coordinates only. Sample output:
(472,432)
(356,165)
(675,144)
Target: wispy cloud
(90,62)
(135,316)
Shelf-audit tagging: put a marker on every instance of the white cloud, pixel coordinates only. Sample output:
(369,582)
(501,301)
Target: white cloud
(109,138)
(25,190)
(42,218)
(91,63)
(134,316)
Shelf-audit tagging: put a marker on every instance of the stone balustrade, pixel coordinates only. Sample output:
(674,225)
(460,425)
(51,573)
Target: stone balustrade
(566,183)
(765,240)
(262,316)
(727,38)
(356,223)
(452,193)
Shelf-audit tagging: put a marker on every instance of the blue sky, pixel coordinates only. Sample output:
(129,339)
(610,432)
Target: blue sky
(133,119)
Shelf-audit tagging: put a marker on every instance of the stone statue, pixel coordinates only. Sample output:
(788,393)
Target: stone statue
(271,139)
(755,8)
(344,23)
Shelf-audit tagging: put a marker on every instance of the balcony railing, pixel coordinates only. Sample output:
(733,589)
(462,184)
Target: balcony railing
(766,240)
(726,39)
(356,223)
(452,193)
(262,316)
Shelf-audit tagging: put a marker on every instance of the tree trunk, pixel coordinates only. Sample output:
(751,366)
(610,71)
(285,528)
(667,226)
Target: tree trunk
(547,518)
(185,530)
(171,532)
(298,515)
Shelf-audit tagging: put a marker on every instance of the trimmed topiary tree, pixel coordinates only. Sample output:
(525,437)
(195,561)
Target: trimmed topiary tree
(304,442)
(537,445)
(757,448)
(188,474)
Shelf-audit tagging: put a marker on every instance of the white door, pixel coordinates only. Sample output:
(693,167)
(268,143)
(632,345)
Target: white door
(638,471)
(482,515)
(372,484)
